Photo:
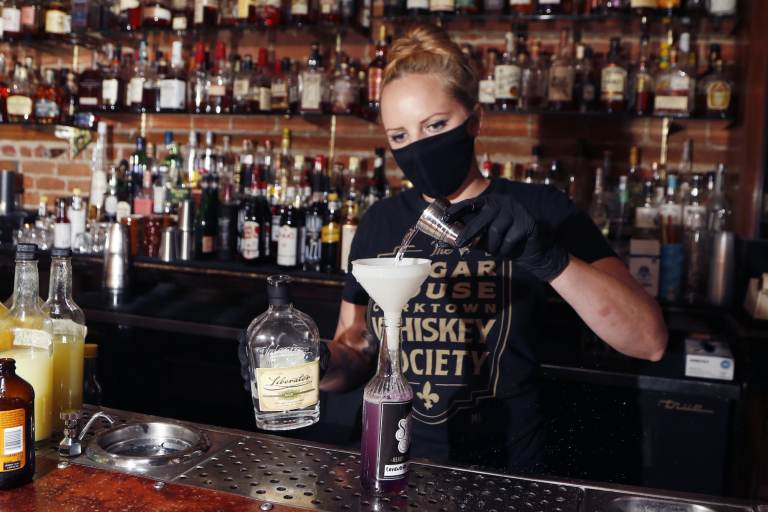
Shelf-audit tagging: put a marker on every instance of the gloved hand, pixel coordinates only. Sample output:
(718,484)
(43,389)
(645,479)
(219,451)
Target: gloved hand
(506,229)
(324,355)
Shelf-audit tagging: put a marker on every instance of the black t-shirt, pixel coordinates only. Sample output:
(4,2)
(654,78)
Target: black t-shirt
(466,338)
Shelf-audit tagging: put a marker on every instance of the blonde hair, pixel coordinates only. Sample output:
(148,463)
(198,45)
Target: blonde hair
(428,49)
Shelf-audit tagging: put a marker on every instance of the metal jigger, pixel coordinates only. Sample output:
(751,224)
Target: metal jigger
(186,243)
(169,244)
(433,223)
(116,259)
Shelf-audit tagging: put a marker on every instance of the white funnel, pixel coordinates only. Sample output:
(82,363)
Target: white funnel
(391,284)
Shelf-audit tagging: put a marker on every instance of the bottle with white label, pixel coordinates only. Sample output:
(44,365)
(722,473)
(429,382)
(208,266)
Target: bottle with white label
(173,86)
(62,229)
(11,15)
(25,337)
(283,350)
(76,215)
(17,444)
(386,440)
(721,7)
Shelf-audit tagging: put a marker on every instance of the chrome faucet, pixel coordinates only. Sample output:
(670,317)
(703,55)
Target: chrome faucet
(72,444)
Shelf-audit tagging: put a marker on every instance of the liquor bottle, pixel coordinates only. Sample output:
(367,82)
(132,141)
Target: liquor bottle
(417,7)
(721,7)
(283,346)
(670,212)
(387,402)
(675,89)
(173,86)
(150,97)
(243,101)
(486,94)
(25,336)
(300,12)
(507,74)
(642,83)
(62,229)
(206,13)
(99,165)
(197,81)
(248,12)
(522,7)
(442,7)
(467,7)
(17,407)
(718,208)
(89,86)
(585,82)
(635,178)
(19,104)
(134,89)
(265,216)
(181,15)
(311,83)
(598,208)
(77,217)
(58,21)
(112,88)
(313,220)
(138,164)
(228,12)
(376,72)
(130,15)
(68,335)
(206,220)
(613,80)
(209,157)
(561,77)
(348,230)
(249,228)
(31,17)
(642,7)
(533,80)
(47,99)
(345,91)
(695,210)
(290,242)
(550,7)
(11,16)
(261,89)
(156,13)
(218,89)
(715,90)
(330,11)
(330,235)
(279,87)
(272,13)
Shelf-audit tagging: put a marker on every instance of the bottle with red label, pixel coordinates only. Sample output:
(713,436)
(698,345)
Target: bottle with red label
(376,71)
(17,436)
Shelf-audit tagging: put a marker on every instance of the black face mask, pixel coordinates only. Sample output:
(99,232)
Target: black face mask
(438,165)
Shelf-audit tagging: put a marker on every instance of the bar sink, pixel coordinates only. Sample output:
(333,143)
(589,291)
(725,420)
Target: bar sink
(642,504)
(146,445)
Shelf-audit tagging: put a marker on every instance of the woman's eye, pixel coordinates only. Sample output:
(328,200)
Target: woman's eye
(397,137)
(437,125)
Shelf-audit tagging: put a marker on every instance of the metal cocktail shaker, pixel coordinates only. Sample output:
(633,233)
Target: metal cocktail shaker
(433,222)
(116,258)
(7,192)
(186,241)
(721,268)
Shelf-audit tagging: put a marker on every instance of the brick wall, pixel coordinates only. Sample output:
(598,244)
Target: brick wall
(44,161)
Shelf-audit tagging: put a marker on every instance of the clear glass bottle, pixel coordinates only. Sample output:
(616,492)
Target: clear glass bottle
(507,75)
(283,349)
(68,333)
(533,80)
(386,437)
(598,208)
(675,90)
(242,78)
(613,81)
(173,86)
(26,337)
(11,15)
(311,83)
(19,103)
(561,77)
(486,93)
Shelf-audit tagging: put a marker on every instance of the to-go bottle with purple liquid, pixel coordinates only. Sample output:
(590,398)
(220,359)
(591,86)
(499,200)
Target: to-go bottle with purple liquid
(387,400)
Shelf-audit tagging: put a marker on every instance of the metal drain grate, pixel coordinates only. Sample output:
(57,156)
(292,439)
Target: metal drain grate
(322,479)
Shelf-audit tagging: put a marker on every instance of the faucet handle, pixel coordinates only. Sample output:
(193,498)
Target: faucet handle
(70,445)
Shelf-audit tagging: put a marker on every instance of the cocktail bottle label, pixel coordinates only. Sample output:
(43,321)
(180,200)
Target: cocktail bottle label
(394,440)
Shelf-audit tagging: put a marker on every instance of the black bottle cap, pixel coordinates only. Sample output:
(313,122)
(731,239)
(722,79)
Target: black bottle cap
(58,252)
(26,252)
(278,293)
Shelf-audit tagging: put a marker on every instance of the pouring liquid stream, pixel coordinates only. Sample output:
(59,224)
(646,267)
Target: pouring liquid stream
(407,239)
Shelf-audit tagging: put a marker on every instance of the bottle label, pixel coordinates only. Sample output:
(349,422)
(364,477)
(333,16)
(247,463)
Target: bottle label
(109,89)
(157,13)
(442,5)
(122,210)
(280,90)
(718,96)
(32,338)
(128,4)
(57,22)
(275,233)
(135,91)
(46,109)
(670,103)
(328,6)
(394,446)
(722,7)
(642,4)
(588,92)
(61,235)
(313,225)
(550,2)
(613,83)
(645,217)
(241,87)
(179,22)
(694,216)
(522,2)
(672,212)
(173,94)
(288,389)
(561,83)
(299,7)
(311,90)
(330,234)
(507,81)
(207,244)
(347,234)
(265,99)
(287,246)
(249,241)
(18,105)
(216,90)
(28,16)
(417,4)
(11,19)
(487,91)
(13,454)
(242,8)
(374,83)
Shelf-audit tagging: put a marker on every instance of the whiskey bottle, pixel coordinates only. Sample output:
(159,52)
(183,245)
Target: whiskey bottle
(112,84)
(715,90)
(261,87)
(561,77)
(11,15)
(242,78)
(156,13)
(585,82)
(218,90)
(311,83)
(417,7)
(533,80)
(31,17)
(130,14)
(486,91)
(442,7)
(197,81)
(642,89)
(613,80)
(19,103)
(674,94)
(150,98)
(300,12)
(181,15)
(173,86)
(330,235)
(48,99)
(89,86)
(283,350)
(279,87)
(134,92)
(17,406)
(58,21)
(507,75)
(376,72)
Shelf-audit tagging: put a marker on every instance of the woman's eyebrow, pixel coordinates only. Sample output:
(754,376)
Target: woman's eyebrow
(433,115)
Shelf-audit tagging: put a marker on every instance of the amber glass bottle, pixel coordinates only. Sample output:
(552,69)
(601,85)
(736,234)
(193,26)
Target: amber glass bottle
(17,437)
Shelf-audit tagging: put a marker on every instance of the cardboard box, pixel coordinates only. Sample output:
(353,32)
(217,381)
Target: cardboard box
(708,358)
(644,261)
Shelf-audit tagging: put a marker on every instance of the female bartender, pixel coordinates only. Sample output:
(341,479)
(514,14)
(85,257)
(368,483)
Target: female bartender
(467,336)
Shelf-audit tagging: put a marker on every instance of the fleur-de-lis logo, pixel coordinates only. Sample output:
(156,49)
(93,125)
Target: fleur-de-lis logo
(426,394)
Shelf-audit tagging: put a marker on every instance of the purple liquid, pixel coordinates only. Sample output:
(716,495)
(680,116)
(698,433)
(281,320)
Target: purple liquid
(369,451)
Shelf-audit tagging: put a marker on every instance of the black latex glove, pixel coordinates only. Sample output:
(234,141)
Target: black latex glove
(505,229)
(245,367)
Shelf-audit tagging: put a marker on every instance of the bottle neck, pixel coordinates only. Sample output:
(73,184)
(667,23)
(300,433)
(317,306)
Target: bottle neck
(26,285)
(60,289)
(389,349)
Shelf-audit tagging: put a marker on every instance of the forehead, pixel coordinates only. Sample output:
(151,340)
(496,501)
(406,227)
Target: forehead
(410,99)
